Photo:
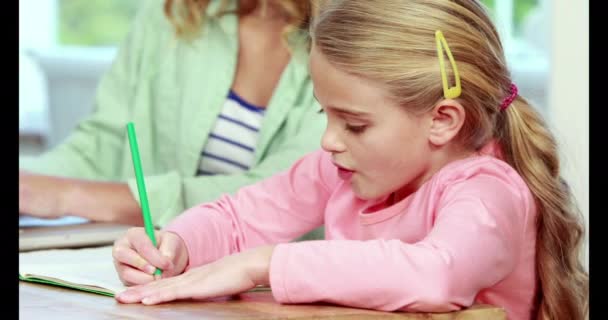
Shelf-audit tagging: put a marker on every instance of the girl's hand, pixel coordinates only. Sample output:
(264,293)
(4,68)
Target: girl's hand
(136,258)
(230,275)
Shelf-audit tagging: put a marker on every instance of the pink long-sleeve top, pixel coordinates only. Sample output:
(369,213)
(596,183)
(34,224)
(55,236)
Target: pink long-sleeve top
(467,235)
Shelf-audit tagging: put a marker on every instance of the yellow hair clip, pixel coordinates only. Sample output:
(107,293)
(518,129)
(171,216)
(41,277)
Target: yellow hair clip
(453,92)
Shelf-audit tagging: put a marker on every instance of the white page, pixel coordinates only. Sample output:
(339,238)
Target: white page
(29,221)
(88,266)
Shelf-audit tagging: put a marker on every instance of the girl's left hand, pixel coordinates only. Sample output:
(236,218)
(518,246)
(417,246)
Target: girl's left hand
(227,276)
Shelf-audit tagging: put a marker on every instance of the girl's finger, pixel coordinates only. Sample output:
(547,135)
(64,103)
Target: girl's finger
(171,247)
(130,257)
(142,244)
(130,276)
(162,295)
(140,293)
(130,295)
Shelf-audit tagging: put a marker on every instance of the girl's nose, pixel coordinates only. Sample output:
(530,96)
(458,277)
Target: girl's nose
(331,141)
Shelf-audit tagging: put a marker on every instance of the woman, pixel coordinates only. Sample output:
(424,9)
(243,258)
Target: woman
(220,95)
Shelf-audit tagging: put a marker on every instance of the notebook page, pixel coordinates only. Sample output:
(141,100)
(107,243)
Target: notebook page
(88,266)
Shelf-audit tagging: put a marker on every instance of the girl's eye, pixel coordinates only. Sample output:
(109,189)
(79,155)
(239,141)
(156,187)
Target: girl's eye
(355,129)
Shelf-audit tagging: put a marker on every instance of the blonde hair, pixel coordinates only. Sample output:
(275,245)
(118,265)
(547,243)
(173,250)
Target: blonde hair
(188,16)
(393,42)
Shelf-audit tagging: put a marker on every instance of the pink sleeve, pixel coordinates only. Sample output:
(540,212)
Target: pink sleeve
(277,209)
(474,244)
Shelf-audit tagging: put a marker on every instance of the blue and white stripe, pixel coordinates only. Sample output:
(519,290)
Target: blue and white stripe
(231,144)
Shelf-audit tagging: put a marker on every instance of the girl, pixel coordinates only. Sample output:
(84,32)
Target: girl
(434,197)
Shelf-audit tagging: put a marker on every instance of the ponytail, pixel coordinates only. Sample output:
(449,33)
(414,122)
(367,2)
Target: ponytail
(531,149)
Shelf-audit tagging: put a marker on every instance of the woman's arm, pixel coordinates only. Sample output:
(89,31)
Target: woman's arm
(62,180)
(50,197)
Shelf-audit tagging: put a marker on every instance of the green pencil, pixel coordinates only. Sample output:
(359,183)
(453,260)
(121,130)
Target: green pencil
(141,186)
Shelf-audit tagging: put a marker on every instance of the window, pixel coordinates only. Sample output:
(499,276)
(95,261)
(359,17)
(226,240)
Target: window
(510,13)
(514,20)
(71,43)
(94,22)
(66,23)
(524,29)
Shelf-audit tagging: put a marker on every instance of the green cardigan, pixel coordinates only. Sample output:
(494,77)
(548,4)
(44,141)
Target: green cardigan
(173,91)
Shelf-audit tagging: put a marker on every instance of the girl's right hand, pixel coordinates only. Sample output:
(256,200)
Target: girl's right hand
(135,257)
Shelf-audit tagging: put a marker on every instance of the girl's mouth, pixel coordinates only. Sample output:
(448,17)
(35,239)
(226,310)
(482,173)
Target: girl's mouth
(344,173)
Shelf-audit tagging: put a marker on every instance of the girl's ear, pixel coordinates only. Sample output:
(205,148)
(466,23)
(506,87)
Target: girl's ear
(447,119)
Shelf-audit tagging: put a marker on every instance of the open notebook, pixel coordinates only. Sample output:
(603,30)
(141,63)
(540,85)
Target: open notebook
(88,269)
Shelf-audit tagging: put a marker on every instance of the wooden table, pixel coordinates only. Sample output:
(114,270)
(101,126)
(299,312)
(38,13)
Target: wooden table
(37,301)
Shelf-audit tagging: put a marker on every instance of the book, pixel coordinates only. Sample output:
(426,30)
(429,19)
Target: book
(87,269)
(30,221)
(69,235)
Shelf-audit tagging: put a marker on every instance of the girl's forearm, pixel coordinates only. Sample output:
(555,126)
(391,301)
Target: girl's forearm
(260,267)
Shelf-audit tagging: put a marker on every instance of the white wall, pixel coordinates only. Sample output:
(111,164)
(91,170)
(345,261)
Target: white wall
(569,96)
(33,97)
(73,75)
(37,21)
(57,83)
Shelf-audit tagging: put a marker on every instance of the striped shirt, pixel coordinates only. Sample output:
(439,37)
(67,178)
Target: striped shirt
(231,144)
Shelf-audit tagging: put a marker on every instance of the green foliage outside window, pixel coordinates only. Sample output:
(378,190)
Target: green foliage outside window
(521,8)
(95,22)
(106,22)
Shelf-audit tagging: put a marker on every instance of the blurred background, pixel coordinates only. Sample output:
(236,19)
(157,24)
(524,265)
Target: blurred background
(66,45)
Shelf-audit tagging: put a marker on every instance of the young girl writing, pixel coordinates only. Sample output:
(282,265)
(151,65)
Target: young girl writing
(438,185)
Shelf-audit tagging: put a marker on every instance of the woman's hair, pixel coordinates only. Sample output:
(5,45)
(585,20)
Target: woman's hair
(393,42)
(188,16)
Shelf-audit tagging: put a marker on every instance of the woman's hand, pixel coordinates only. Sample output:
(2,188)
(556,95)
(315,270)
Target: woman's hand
(230,275)
(136,258)
(52,197)
(42,196)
